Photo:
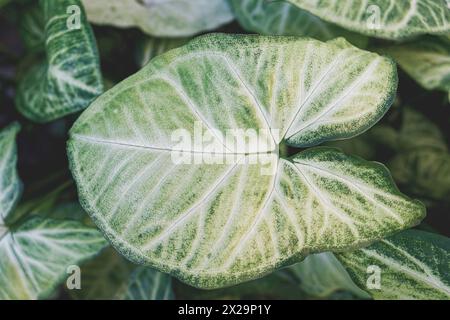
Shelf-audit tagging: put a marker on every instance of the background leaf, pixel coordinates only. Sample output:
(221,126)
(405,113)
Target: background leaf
(163,18)
(10,185)
(36,255)
(69,78)
(414,265)
(426,60)
(282,18)
(389,19)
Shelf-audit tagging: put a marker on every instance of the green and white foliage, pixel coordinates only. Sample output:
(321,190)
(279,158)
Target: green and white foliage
(412,265)
(10,185)
(161,18)
(321,275)
(426,60)
(69,78)
(110,276)
(37,254)
(282,18)
(387,19)
(213,224)
(151,47)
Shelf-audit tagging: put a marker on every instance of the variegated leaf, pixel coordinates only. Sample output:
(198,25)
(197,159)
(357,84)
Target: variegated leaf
(69,78)
(36,255)
(10,185)
(389,19)
(161,18)
(270,210)
(410,265)
(282,18)
(426,60)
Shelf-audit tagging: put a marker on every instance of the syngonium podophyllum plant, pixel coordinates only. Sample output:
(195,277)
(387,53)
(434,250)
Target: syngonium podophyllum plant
(215,224)
(219,217)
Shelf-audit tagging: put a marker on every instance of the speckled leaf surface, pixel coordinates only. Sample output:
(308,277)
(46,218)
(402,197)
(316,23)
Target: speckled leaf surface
(295,91)
(427,61)
(161,18)
(414,265)
(389,19)
(36,255)
(282,18)
(69,78)
(321,275)
(10,185)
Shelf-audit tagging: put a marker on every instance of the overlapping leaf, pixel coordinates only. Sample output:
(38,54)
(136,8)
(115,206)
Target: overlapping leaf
(162,18)
(283,18)
(390,19)
(424,172)
(413,265)
(426,60)
(69,78)
(37,254)
(271,213)
(110,276)
(152,47)
(10,185)
(321,275)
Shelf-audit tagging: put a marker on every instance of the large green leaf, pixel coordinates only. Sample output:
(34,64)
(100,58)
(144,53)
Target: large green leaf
(412,264)
(69,78)
(426,60)
(36,255)
(283,18)
(321,275)
(213,224)
(389,19)
(162,18)
(10,185)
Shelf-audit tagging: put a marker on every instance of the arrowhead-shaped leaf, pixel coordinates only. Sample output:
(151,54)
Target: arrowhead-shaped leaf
(283,18)
(213,221)
(69,78)
(412,265)
(36,256)
(389,19)
(10,185)
(162,18)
